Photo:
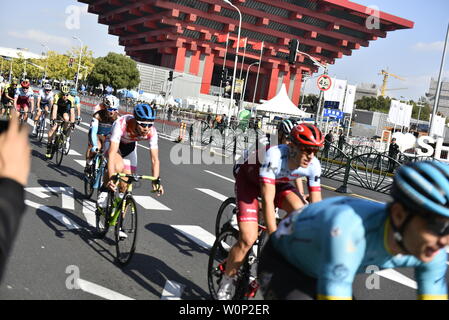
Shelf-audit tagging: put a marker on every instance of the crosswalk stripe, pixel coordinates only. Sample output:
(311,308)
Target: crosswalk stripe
(89,212)
(55,214)
(197,234)
(100,291)
(73,153)
(213,194)
(220,176)
(398,277)
(150,203)
(172,291)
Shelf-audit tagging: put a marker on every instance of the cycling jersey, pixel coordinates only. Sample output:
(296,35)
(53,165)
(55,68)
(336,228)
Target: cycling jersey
(11,91)
(64,106)
(335,239)
(46,99)
(23,98)
(121,134)
(269,167)
(101,125)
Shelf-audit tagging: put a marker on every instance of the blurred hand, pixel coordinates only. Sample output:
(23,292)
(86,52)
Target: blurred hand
(15,152)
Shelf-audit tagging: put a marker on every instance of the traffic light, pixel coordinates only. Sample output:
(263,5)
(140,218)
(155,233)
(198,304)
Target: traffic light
(170,76)
(293,46)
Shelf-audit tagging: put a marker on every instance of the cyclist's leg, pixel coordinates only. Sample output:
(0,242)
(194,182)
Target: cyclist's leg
(287,198)
(280,280)
(66,123)
(26,108)
(129,167)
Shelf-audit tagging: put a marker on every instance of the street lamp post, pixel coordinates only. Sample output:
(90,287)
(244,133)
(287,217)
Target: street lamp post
(236,54)
(79,63)
(242,98)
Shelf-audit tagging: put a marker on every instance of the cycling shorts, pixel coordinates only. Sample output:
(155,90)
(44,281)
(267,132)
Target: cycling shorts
(280,280)
(128,151)
(247,192)
(22,103)
(44,104)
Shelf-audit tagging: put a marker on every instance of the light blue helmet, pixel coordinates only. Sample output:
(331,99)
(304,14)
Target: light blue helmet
(73,92)
(423,186)
(143,112)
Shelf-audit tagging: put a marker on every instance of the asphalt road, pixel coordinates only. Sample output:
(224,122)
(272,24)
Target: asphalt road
(56,243)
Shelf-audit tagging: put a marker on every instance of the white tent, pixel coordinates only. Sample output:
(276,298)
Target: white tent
(281,103)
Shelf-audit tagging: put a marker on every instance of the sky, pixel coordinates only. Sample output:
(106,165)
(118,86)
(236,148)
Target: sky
(413,54)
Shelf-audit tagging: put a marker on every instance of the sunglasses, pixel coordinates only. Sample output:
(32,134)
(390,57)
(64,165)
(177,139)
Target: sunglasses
(438,227)
(145,124)
(112,109)
(309,150)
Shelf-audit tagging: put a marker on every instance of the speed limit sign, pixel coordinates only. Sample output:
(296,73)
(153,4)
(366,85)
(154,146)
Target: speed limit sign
(324,82)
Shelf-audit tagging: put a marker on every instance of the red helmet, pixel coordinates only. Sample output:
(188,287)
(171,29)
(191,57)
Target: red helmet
(307,134)
(25,84)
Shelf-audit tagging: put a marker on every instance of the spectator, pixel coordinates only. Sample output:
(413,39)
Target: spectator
(209,118)
(14,169)
(341,140)
(169,113)
(393,152)
(328,139)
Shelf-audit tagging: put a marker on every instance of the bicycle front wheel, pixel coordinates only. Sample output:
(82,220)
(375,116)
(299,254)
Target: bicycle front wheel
(41,130)
(102,216)
(217,262)
(126,232)
(59,151)
(225,213)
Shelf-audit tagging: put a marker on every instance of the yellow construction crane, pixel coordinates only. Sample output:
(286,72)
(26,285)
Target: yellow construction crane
(386,74)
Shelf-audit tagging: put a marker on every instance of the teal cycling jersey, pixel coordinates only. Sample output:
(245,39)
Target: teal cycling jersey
(337,238)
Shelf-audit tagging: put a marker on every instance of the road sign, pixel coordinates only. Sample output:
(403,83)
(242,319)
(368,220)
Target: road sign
(332,105)
(337,114)
(324,82)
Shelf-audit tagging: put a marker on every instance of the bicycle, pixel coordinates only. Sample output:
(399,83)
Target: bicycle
(59,143)
(41,125)
(94,175)
(119,213)
(246,285)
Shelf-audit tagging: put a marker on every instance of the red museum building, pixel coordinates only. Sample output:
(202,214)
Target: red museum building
(183,35)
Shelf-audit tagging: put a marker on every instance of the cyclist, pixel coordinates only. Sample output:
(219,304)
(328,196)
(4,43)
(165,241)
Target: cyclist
(122,153)
(108,101)
(316,254)
(76,103)
(62,110)
(24,99)
(270,181)
(284,129)
(44,103)
(8,95)
(100,129)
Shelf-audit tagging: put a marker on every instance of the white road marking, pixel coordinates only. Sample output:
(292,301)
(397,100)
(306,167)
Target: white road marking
(213,194)
(150,203)
(100,291)
(198,235)
(68,201)
(82,163)
(172,291)
(398,277)
(73,153)
(220,176)
(55,214)
(89,212)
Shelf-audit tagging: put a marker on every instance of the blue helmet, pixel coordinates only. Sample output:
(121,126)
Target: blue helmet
(423,186)
(73,92)
(143,112)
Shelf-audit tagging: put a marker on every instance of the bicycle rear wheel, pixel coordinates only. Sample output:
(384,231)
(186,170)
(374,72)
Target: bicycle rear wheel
(217,262)
(225,213)
(89,180)
(127,224)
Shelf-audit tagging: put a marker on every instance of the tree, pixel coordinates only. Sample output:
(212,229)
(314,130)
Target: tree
(115,70)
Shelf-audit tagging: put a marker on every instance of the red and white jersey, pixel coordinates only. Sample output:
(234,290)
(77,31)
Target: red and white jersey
(122,134)
(21,94)
(274,169)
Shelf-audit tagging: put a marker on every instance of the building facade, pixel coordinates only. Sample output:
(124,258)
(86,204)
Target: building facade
(189,36)
(443,103)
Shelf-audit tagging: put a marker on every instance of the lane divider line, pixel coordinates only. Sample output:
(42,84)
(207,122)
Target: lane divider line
(65,221)
(200,236)
(220,176)
(398,277)
(100,291)
(213,194)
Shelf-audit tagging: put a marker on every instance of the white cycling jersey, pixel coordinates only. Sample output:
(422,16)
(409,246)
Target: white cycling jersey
(46,98)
